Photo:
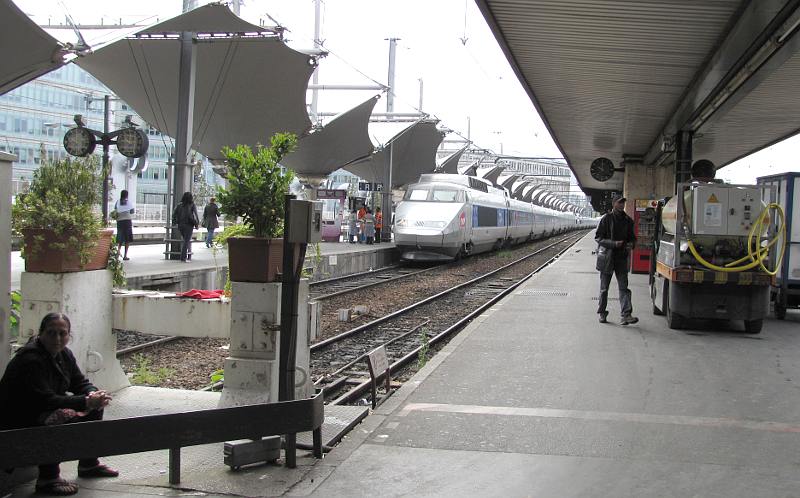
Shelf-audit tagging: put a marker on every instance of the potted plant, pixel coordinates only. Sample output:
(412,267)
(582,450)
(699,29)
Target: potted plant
(255,190)
(60,229)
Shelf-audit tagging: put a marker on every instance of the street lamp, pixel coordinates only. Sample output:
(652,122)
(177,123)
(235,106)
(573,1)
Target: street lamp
(81,141)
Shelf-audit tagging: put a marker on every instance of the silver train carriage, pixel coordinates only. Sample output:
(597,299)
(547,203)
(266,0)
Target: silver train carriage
(446,216)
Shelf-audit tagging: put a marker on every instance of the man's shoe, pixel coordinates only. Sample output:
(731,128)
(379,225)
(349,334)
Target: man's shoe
(603,317)
(629,320)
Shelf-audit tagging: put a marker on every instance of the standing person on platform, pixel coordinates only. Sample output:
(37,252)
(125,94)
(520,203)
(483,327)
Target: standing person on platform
(369,227)
(352,227)
(124,210)
(615,239)
(378,225)
(185,216)
(43,385)
(211,220)
(361,213)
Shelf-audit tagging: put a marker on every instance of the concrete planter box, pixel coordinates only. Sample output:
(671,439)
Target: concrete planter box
(49,260)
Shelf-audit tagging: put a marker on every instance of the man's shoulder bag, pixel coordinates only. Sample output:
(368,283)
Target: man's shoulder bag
(605,255)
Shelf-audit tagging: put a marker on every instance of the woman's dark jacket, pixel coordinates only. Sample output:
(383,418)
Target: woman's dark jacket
(210,214)
(35,383)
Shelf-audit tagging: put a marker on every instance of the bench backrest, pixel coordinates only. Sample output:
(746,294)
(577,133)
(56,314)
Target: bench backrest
(59,443)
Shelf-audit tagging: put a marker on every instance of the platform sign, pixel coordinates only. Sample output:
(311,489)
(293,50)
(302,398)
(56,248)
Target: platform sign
(378,364)
(370,186)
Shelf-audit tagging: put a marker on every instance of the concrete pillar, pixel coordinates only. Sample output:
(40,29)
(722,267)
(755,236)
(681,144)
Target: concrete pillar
(647,182)
(85,297)
(251,370)
(6,161)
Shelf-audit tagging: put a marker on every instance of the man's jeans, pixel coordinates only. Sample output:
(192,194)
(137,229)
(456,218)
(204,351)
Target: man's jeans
(621,271)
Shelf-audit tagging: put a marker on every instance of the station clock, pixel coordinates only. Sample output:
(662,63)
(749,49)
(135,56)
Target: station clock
(132,142)
(79,142)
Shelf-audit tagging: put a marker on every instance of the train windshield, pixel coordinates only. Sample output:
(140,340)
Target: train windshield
(434,194)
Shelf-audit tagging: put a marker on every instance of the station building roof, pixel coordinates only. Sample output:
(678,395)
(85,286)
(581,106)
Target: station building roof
(617,79)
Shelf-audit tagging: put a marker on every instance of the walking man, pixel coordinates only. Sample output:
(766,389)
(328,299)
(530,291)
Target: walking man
(615,239)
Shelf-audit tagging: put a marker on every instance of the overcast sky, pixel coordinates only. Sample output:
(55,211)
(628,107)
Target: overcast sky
(446,43)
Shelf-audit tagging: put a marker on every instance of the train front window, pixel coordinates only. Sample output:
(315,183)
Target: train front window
(420,194)
(445,195)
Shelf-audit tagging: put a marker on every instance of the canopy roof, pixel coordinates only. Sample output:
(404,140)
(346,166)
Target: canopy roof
(27,50)
(411,152)
(450,163)
(340,142)
(238,98)
(613,78)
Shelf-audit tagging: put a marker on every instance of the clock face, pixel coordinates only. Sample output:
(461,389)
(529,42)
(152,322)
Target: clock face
(79,142)
(602,169)
(132,142)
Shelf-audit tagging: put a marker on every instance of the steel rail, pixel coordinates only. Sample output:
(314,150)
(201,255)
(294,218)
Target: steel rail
(145,345)
(361,357)
(378,282)
(402,362)
(390,316)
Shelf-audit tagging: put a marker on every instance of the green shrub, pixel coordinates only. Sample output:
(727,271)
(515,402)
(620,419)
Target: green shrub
(62,197)
(256,185)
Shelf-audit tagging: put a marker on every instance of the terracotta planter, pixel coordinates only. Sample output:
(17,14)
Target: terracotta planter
(49,260)
(254,259)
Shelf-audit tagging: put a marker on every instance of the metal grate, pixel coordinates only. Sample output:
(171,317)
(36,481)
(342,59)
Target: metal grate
(538,292)
(596,298)
(584,272)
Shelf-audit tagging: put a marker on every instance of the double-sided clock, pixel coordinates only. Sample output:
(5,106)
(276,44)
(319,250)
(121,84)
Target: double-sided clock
(132,142)
(79,142)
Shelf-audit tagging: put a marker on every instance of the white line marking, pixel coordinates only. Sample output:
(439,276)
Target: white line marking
(642,418)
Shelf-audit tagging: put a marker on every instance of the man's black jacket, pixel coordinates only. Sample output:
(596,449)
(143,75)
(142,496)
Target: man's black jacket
(36,383)
(623,230)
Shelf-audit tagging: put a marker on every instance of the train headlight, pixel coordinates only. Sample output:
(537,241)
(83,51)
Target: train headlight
(401,222)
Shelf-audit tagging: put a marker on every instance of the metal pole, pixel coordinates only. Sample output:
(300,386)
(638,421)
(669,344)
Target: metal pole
(390,93)
(386,233)
(683,157)
(315,75)
(106,126)
(183,139)
(288,339)
(420,95)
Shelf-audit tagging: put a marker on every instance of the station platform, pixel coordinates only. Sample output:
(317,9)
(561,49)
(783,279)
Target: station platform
(147,263)
(536,398)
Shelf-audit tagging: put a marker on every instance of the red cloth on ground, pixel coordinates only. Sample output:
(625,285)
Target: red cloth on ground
(202,294)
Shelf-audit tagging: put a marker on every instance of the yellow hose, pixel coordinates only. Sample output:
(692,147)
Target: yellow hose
(755,254)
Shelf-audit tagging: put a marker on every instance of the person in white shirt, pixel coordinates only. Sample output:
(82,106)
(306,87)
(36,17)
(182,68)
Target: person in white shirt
(124,209)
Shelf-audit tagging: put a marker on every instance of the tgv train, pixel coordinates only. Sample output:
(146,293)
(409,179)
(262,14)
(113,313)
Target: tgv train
(446,216)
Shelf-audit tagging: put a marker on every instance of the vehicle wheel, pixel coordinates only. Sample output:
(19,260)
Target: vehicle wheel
(753,326)
(674,320)
(780,311)
(656,310)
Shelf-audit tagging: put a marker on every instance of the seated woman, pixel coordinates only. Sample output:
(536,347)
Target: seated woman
(43,385)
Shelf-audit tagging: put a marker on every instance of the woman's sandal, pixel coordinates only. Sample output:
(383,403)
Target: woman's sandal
(99,470)
(59,487)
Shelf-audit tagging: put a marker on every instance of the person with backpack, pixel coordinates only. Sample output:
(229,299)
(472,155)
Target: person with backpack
(185,216)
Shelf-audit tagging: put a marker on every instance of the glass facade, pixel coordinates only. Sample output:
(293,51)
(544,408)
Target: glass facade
(35,117)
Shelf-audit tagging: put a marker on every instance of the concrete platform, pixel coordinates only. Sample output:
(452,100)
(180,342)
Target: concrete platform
(207,269)
(536,398)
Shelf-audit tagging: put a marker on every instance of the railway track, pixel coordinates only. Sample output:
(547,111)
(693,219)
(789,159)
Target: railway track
(320,291)
(338,363)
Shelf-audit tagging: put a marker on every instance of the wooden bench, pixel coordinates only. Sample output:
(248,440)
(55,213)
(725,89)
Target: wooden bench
(62,443)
